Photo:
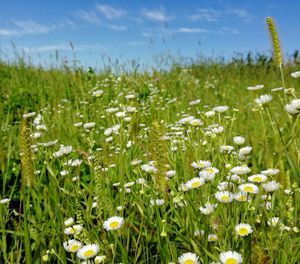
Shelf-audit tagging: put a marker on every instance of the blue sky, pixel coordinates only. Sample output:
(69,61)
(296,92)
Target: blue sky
(142,30)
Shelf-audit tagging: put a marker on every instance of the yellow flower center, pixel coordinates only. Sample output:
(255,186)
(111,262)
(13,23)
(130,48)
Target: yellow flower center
(88,253)
(189,261)
(74,248)
(257,179)
(196,184)
(243,231)
(210,170)
(231,261)
(249,189)
(114,224)
(225,198)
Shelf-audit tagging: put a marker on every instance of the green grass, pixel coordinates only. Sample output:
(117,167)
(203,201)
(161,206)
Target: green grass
(32,222)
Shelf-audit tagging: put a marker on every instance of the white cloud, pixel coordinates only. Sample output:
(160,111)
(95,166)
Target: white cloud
(221,31)
(26,27)
(135,43)
(61,47)
(156,15)
(110,12)
(32,27)
(117,27)
(215,15)
(193,30)
(9,33)
(46,48)
(240,13)
(89,17)
(203,14)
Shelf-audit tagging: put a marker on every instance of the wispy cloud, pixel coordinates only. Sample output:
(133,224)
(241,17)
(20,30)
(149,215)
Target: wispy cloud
(62,47)
(221,31)
(215,15)
(26,27)
(203,14)
(156,15)
(240,13)
(9,32)
(135,43)
(32,27)
(192,30)
(89,17)
(110,12)
(117,27)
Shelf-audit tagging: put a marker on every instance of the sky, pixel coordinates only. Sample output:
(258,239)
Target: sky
(97,33)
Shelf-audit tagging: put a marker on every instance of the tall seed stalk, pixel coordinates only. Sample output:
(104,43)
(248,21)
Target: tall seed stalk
(27,183)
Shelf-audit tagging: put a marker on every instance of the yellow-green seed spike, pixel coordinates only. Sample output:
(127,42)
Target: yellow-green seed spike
(275,41)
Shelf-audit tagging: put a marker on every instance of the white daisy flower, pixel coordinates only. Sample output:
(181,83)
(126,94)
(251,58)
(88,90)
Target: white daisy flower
(270,172)
(274,221)
(72,245)
(239,140)
(264,99)
(256,87)
(243,229)
(271,186)
(129,184)
(222,186)
(29,115)
(170,173)
(207,176)
(112,110)
(97,93)
(212,238)
(88,251)
(158,202)
(89,125)
(78,124)
(201,164)
(64,150)
(209,113)
(75,229)
(245,150)
(196,122)
(221,109)
(69,221)
(224,197)
(196,102)
(249,188)
(188,258)
(293,107)
(233,177)
(74,162)
(149,168)
(231,257)
(277,89)
(241,197)
(4,201)
(136,162)
(240,170)
(195,183)
(113,223)
(295,74)
(208,208)
(257,178)
(226,149)
(99,259)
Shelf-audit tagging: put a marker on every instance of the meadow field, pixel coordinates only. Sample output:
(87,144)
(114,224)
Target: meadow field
(197,164)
